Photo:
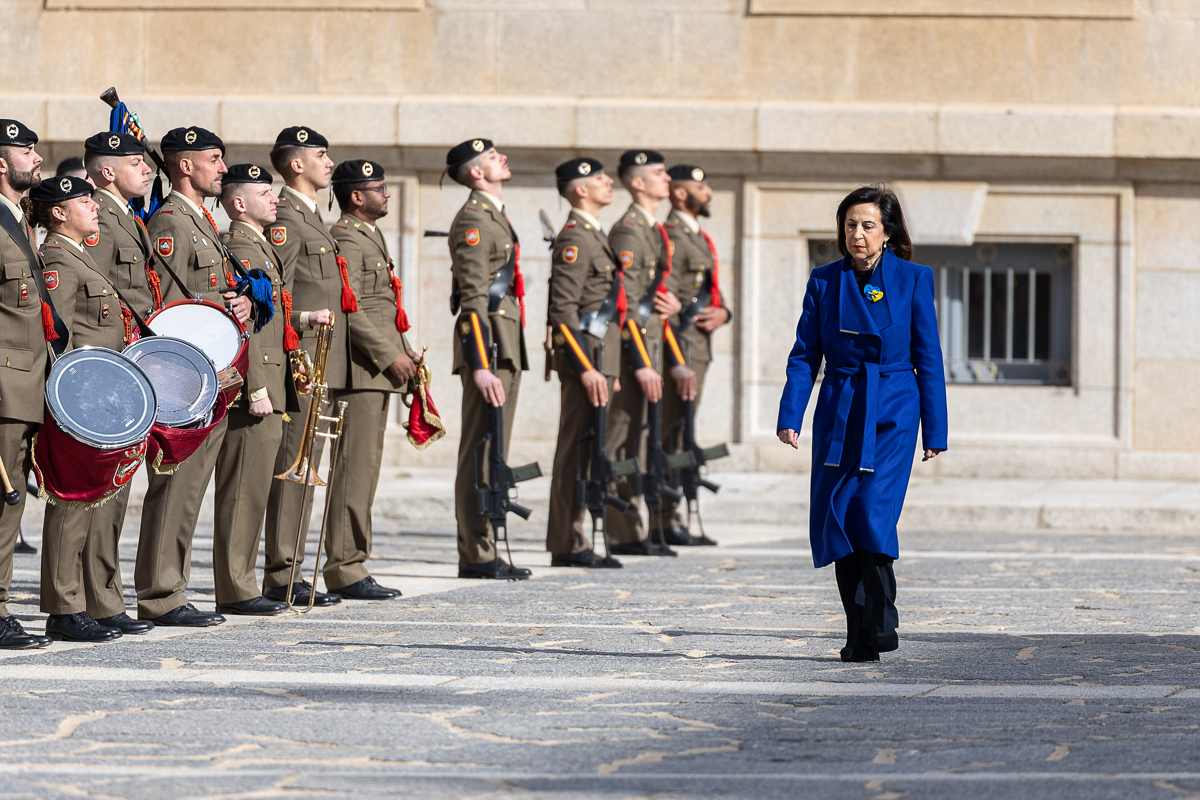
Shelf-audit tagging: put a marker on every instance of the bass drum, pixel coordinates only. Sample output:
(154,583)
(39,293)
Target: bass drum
(100,407)
(214,330)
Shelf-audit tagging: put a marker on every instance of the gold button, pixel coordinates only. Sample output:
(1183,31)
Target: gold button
(322,249)
(7,362)
(266,358)
(501,312)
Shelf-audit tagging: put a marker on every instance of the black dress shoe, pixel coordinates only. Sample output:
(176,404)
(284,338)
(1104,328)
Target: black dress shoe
(14,637)
(300,592)
(677,535)
(79,628)
(887,642)
(126,624)
(646,548)
(583,558)
(254,607)
(701,541)
(188,616)
(496,570)
(366,589)
(607,562)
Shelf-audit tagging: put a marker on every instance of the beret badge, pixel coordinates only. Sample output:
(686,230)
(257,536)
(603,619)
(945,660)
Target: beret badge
(367,169)
(585,168)
(697,174)
(65,184)
(190,137)
(12,131)
(302,135)
(640,159)
(114,142)
(476,145)
(254,171)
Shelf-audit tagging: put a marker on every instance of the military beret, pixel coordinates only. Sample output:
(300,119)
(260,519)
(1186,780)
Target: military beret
(464,152)
(107,143)
(300,136)
(686,172)
(16,133)
(179,140)
(358,170)
(246,173)
(640,158)
(577,168)
(60,189)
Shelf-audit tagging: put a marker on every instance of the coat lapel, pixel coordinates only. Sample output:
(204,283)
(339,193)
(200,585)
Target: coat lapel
(881,311)
(853,316)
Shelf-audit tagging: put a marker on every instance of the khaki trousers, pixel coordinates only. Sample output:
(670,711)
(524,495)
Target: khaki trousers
(672,430)
(80,570)
(284,508)
(476,539)
(14,450)
(103,589)
(565,527)
(348,543)
(244,473)
(626,439)
(169,516)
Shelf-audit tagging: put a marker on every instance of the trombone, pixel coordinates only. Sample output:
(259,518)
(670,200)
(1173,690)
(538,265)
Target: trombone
(305,470)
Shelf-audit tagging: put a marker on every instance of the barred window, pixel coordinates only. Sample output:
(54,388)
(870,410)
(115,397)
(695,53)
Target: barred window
(1004,309)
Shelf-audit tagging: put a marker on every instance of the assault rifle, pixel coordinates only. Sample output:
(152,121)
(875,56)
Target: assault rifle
(654,484)
(596,473)
(689,462)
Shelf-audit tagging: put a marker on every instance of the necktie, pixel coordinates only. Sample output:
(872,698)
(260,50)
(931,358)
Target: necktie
(716,284)
(666,269)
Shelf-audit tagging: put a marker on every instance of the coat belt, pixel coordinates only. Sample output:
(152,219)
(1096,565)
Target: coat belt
(846,377)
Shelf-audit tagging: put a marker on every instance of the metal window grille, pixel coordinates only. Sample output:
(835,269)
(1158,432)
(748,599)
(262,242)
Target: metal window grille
(1004,309)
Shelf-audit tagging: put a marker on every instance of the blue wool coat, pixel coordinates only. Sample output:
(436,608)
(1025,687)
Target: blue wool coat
(883,378)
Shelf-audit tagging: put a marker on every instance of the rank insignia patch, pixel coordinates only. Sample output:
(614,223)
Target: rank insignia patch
(212,280)
(471,237)
(626,258)
(570,254)
(51,278)
(25,289)
(278,235)
(165,246)
(92,239)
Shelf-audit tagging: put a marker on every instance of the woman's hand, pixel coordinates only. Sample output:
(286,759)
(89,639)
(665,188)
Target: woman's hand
(930,454)
(789,436)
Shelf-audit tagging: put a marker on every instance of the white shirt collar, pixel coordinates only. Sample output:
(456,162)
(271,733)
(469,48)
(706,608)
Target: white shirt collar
(195,208)
(248,227)
(650,218)
(121,202)
(14,208)
(496,201)
(688,220)
(589,219)
(303,198)
(71,242)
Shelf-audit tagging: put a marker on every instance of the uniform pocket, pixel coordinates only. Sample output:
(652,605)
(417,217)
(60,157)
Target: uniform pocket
(322,256)
(100,301)
(131,261)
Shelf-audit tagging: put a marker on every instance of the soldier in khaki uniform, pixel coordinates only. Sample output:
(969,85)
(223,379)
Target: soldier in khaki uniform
(488,297)
(246,461)
(587,312)
(94,316)
(22,350)
(696,282)
(184,236)
(314,274)
(120,249)
(381,362)
(642,248)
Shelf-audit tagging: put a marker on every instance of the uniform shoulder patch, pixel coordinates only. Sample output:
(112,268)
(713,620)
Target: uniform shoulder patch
(471,237)
(50,276)
(165,246)
(278,235)
(626,258)
(245,263)
(570,254)
(569,225)
(92,240)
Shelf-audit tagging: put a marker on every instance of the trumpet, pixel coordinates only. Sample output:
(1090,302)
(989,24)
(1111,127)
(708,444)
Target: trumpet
(305,470)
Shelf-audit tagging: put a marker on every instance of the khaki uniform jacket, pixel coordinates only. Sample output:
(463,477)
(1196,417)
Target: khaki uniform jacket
(82,295)
(187,243)
(309,253)
(122,252)
(267,362)
(690,262)
(22,339)
(583,268)
(374,339)
(642,254)
(481,239)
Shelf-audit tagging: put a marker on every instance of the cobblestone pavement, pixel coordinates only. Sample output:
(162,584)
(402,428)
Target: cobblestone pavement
(1031,665)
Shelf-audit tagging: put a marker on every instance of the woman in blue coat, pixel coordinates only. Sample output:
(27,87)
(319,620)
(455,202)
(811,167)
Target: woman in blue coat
(870,318)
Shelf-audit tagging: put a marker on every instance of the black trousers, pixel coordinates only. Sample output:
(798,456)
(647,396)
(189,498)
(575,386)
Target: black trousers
(867,585)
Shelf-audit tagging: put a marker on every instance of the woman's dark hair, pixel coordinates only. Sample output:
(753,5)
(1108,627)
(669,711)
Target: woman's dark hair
(889,210)
(39,214)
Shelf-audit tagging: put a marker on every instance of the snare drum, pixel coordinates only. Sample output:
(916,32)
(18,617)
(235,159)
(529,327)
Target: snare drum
(100,408)
(184,379)
(211,328)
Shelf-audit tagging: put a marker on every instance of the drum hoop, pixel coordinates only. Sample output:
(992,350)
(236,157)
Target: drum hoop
(210,376)
(90,352)
(199,301)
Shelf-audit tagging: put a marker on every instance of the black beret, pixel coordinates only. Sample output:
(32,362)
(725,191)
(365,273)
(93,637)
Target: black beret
(300,136)
(577,168)
(246,173)
(686,172)
(358,170)
(16,133)
(60,189)
(464,152)
(113,144)
(179,140)
(640,158)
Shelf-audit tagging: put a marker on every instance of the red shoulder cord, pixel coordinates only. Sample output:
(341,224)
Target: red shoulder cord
(402,323)
(518,280)
(291,339)
(716,284)
(152,276)
(666,271)
(349,301)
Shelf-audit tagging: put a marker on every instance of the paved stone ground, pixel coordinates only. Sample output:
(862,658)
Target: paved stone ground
(1038,664)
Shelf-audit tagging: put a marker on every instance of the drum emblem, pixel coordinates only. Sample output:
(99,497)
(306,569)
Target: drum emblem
(165,246)
(129,467)
(51,278)
(279,236)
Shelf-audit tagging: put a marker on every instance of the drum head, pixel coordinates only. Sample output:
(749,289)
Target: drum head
(100,398)
(206,326)
(183,377)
